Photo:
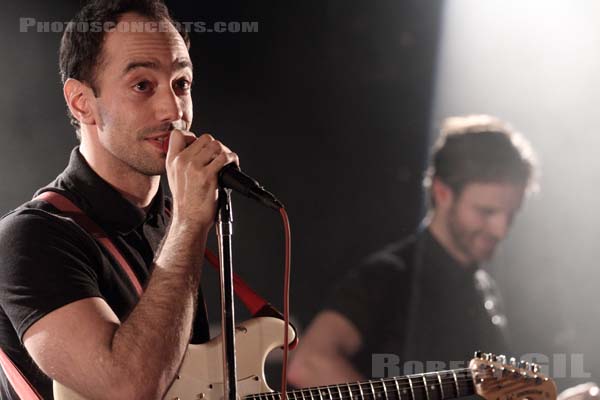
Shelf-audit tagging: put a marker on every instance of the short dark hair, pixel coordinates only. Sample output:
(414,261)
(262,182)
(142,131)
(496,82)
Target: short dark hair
(480,149)
(81,49)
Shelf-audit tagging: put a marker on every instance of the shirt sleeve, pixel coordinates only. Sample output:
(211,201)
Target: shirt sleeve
(46,262)
(369,296)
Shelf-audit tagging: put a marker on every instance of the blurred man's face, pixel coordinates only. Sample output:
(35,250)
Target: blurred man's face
(480,216)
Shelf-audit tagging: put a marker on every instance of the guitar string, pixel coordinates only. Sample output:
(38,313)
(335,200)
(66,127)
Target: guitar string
(365,393)
(312,393)
(305,394)
(378,384)
(403,382)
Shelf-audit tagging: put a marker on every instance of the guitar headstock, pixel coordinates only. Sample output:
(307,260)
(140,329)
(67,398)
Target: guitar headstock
(497,378)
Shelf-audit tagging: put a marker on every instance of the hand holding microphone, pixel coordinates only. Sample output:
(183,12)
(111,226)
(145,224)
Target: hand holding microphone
(195,168)
(192,167)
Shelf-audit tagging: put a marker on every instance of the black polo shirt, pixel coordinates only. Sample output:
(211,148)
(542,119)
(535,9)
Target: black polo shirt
(47,261)
(417,309)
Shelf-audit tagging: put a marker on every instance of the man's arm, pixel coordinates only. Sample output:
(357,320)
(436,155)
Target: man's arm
(84,345)
(324,353)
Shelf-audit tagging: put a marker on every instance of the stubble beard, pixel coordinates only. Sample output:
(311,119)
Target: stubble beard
(464,239)
(133,155)
(138,157)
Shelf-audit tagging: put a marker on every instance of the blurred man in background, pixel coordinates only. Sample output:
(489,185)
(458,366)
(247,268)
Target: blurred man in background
(424,303)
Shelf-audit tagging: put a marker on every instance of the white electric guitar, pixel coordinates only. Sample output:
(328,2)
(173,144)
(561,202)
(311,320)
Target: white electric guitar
(200,376)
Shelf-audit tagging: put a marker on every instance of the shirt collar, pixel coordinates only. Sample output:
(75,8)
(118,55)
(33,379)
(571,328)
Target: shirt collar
(439,252)
(102,202)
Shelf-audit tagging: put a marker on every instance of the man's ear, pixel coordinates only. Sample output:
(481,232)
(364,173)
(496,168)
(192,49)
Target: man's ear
(79,98)
(443,195)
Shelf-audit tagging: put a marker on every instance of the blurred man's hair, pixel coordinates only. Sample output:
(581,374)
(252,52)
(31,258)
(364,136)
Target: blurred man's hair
(480,149)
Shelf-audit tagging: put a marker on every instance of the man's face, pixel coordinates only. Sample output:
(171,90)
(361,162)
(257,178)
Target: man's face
(480,216)
(144,84)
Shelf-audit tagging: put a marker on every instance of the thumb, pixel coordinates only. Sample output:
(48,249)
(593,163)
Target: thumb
(176,142)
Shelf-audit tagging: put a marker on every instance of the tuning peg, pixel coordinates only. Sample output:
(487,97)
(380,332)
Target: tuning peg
(502,359)
(523,364)
(513,361)
(534,368)
(478,354)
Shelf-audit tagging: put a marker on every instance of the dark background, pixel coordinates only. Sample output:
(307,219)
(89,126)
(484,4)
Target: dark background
(331,104)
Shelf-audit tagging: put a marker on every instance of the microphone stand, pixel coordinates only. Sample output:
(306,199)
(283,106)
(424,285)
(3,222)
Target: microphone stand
(224,234)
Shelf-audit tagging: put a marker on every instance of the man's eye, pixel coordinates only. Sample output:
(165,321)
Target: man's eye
(142,86)
(183,84)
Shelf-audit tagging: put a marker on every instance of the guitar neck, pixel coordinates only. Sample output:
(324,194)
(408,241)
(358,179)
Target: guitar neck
(429,386)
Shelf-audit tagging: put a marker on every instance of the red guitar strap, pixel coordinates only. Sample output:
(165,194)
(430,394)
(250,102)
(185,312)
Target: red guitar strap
(17,380)
(70,210)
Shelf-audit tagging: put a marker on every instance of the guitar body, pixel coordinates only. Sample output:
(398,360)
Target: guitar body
(201,373)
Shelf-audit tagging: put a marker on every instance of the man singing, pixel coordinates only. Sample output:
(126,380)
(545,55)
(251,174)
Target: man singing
(68,311)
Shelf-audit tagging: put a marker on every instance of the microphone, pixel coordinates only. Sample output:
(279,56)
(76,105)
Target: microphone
(232,177)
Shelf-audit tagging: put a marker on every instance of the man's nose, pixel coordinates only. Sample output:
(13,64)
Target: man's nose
(169,106)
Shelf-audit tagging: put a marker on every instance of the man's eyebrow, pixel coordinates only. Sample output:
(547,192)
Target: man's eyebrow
(178,64)
(139,64)
(182,63)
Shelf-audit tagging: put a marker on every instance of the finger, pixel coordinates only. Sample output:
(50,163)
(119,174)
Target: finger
(200,144)
(236,159)
(205,138)
(205,149)
(177,142)
(220,161)
(202,156)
